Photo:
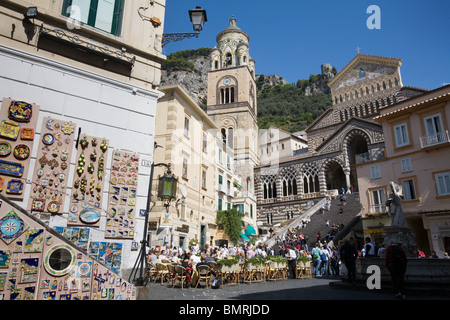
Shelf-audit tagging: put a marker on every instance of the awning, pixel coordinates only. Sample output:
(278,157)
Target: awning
(250,231)
(243,236)
(237,184)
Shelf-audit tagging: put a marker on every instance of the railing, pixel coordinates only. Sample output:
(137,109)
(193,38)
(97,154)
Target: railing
(378,208)
(434,139)
(371,155)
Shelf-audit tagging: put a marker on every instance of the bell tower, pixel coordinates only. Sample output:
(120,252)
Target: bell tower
(232,99)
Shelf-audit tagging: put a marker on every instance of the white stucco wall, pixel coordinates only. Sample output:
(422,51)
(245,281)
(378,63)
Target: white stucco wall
(100,106)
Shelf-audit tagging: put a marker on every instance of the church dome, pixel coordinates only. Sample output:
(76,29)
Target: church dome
(233,28)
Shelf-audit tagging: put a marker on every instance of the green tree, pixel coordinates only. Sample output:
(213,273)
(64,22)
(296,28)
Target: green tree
(231,222)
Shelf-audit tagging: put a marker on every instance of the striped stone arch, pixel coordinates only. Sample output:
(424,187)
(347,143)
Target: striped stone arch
(352,133)
(349,137)
(324,171)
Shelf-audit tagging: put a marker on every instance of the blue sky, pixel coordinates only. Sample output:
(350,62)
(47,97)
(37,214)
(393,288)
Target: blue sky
(292,38)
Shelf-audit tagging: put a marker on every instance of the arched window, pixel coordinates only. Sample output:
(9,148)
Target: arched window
(269,187)
(310,179)
(228,60)
(289,185)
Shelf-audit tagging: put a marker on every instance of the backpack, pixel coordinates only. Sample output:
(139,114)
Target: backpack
(323,256)
(215,284)
(315,253)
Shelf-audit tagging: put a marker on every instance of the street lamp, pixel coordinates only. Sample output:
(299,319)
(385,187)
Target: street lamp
(166,192)
(198,18)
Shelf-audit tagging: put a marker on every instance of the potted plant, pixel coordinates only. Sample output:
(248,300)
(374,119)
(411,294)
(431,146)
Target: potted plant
(227,265)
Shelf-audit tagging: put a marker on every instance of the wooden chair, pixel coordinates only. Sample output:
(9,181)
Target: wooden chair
(307,270)
(181,275)
(171,274)
(204,274)
(300,269)
(213,265)
(161,271)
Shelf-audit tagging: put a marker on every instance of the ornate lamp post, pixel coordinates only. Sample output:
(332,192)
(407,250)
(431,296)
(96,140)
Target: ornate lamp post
(198,18)
(166,192)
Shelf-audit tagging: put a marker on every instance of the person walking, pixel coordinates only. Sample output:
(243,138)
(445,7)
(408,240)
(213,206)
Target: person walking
(317,262)
(396,263)
(349,254)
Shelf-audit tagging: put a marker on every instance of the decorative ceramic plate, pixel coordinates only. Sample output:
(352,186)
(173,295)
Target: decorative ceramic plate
(53,207)
(5,148)
(11,168)
(20,111)
(14,186)
(90,215)
(48,139)
(21,152)
(9,130)
(60,260)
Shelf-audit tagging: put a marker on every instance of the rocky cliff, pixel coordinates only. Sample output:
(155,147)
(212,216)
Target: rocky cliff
(192,74)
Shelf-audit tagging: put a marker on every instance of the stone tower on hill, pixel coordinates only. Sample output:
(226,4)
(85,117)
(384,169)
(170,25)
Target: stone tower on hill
(232,100)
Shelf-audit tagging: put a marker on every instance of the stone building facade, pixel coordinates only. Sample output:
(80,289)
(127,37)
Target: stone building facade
(416,130)
(341,137)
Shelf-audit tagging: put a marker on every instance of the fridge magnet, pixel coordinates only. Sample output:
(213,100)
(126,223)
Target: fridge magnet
(38,204)
(29,269)
(67,128)
(14,186)
(34,239)
(27,134)
(5,258)
(20,111)
(84,269)
(48,139)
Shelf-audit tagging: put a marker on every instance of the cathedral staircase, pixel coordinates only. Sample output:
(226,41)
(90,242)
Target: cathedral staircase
(350,217)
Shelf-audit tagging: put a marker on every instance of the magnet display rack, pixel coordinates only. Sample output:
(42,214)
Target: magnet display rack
(122,195)
(51,172)
(88,181)
(17,127)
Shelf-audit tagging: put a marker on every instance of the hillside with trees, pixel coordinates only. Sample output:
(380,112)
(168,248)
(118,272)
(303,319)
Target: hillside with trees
(291,107)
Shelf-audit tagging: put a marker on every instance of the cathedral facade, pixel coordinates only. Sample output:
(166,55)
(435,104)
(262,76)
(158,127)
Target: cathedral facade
(338,140)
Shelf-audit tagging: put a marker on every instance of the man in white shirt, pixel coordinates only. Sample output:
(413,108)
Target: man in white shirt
(292,264)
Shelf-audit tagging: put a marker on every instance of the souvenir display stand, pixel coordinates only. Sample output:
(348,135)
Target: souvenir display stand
(122,195)
(51,171)
(88,180)
(17,127)
(36,263)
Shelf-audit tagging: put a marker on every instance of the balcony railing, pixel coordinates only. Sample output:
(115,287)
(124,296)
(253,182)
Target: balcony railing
(378,209)
(371,155)
(434,139)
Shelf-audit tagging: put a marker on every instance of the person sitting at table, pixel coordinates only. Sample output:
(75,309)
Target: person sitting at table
(204,263)
(209,257)
(175,258)
(187,264)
